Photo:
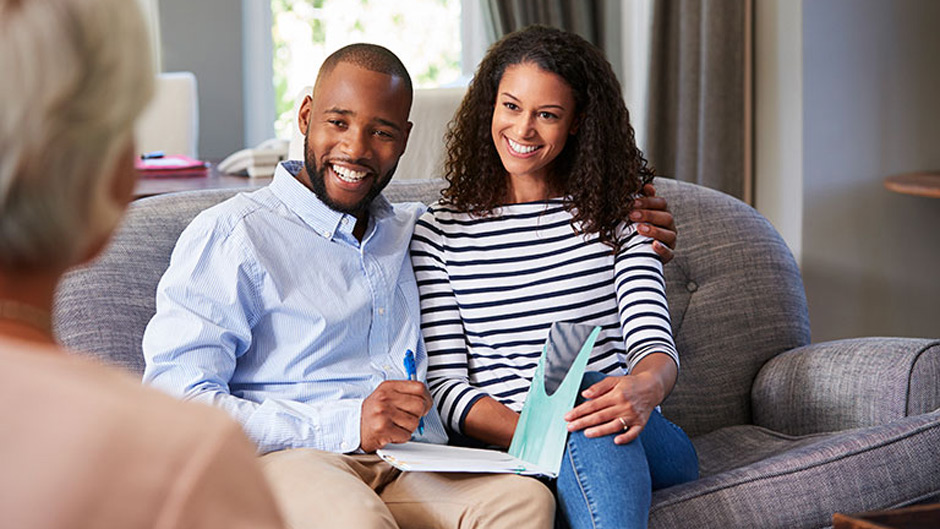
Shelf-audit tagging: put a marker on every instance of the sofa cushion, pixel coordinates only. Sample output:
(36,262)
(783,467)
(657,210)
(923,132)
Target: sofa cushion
(739,446)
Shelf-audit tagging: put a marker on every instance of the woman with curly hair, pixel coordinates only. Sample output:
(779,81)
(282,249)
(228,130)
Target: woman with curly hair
(535,227)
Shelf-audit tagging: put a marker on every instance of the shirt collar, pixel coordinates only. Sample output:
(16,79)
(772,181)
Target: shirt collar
(308,206)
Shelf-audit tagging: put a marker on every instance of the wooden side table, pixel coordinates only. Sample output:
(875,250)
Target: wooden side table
(917,517)
(919,184)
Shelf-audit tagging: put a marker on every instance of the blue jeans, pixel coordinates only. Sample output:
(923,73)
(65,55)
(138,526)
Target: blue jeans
(605,485)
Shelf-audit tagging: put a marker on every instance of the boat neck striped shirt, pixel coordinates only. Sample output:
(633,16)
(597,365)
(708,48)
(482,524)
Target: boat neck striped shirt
(492,286)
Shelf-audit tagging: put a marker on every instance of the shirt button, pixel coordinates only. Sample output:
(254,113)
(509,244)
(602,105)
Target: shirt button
(381,311)
(344,446)
(327,234)
(345,221)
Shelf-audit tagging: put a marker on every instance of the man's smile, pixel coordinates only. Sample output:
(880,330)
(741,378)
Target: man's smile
(348,174)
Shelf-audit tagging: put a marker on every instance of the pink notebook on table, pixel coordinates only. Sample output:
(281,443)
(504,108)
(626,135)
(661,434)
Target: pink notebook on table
(172,166)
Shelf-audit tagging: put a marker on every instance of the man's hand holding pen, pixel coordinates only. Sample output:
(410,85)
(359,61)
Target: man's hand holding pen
(392,413)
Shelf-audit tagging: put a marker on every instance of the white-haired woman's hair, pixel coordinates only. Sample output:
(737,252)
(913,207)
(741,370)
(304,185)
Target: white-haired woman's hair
(76,73)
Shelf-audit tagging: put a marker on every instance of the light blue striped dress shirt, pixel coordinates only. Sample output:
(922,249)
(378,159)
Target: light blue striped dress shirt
(272,310)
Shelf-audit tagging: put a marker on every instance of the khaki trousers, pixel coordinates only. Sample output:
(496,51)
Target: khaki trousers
(321,489)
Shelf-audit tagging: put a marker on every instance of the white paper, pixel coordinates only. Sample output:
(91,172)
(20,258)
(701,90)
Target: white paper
(425,457)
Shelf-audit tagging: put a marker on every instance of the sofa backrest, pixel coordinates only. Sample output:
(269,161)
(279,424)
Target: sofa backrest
(736,300)
(735,294)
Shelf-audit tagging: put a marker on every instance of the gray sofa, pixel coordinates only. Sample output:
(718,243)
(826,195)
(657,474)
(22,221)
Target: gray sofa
(787,432)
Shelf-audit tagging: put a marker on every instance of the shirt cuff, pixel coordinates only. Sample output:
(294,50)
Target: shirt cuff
(280,425)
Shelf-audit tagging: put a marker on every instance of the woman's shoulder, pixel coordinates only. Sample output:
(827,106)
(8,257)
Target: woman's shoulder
(92,417)
(443,218)
(626,229)
(446,213)
(633,243)
(445,221)
(443,211)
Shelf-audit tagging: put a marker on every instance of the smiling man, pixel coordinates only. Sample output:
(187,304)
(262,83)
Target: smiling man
(292,308)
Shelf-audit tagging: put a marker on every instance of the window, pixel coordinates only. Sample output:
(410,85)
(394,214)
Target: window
(425,34)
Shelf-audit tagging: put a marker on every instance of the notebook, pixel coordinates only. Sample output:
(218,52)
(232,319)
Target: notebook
(171,166)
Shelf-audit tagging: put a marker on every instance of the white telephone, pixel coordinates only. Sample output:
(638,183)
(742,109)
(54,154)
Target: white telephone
(257,162)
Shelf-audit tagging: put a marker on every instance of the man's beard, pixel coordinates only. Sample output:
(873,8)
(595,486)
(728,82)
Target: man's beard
(318,183)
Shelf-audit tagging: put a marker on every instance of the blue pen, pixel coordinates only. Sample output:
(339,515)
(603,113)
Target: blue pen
(151,155)
(412,371)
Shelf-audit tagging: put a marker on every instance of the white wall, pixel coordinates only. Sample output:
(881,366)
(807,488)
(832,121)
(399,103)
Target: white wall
(257,50)
(871,107)
(205,37)
(778,117)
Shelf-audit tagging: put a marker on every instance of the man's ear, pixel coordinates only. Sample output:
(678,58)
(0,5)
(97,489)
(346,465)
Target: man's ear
(303,115)
(407,134)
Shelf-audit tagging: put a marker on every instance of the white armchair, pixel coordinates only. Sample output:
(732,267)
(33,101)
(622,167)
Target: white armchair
(170,123)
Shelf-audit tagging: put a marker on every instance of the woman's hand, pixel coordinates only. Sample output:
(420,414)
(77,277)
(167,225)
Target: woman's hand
(623,404)
(617,404)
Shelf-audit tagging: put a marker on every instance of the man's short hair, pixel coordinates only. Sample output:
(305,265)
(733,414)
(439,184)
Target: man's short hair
(76,73)
(372,57)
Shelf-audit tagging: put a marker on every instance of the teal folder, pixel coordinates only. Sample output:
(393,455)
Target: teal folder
(541,433)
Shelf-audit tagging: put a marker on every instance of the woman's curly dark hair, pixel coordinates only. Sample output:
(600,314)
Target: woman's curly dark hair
(600,170)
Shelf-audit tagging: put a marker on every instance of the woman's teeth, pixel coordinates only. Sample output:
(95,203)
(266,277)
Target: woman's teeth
(520,148)
(348,175)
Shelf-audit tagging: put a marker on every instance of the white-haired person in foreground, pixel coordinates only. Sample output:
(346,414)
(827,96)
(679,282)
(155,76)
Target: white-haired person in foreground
(82,445)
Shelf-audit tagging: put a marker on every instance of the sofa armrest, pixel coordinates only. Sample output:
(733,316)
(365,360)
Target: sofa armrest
(846,384)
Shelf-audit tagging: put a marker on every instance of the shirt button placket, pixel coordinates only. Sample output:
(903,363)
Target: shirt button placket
(378,339)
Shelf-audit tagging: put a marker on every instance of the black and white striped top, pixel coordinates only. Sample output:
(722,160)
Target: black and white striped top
(491,288)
